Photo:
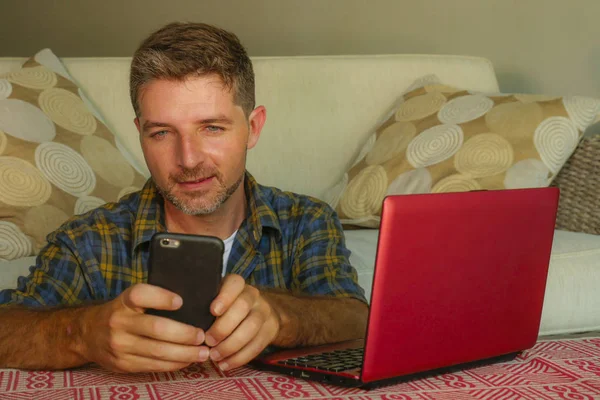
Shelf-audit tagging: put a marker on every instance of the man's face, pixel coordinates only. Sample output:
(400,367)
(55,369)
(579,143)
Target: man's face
(194,140)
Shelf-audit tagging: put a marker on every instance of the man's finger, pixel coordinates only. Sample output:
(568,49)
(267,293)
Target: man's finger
(165,351)
(244,333)
(142,296)
(165,329)
(235,314)
(264,337)
(231,288)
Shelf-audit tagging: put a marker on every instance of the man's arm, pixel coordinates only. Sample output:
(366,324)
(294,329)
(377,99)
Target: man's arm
(117,335)
(40,339)
(331,319)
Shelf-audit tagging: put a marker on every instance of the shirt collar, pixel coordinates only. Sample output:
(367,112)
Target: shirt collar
(150,217)
(260,214)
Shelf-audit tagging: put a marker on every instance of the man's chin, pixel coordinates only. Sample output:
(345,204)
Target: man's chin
(195,207)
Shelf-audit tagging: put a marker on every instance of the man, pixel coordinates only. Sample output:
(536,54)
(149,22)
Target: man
(289,282)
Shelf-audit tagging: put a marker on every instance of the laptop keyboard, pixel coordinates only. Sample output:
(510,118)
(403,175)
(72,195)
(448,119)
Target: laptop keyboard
(333,361)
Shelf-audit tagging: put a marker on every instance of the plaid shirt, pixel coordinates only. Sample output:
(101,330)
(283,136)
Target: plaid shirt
(286,241)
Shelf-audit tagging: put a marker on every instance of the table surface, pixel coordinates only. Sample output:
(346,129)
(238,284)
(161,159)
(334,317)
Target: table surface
(552,369)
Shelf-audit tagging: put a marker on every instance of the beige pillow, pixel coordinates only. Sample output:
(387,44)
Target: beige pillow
(445,139)
(57,159)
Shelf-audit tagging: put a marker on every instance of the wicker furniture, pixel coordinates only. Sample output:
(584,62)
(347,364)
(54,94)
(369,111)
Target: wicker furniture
(579,183)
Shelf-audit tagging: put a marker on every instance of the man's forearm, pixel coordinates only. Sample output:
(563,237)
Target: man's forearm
(41,339)
(309,321)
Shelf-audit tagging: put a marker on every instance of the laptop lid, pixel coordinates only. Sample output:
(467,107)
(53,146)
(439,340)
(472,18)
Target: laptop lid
(459,277)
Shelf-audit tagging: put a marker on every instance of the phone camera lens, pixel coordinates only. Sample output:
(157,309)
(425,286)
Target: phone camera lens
(165,242)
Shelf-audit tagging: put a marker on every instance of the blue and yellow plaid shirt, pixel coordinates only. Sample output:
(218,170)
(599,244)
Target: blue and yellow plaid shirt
(287,241)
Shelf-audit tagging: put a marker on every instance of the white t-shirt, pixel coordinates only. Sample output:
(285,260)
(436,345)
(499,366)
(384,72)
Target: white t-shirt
(228,244)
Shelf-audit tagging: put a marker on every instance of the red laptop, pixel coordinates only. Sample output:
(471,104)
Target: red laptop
(459,281)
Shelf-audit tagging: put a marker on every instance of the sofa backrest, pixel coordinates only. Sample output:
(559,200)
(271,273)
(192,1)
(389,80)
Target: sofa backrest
(320,109)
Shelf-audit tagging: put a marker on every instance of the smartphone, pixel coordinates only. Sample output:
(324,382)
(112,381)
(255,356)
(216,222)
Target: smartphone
(191,266)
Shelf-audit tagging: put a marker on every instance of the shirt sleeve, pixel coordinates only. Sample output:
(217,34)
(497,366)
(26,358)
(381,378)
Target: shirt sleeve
(56,279)
(322,264)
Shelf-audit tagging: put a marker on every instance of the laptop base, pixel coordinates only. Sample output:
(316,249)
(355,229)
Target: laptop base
(350,382)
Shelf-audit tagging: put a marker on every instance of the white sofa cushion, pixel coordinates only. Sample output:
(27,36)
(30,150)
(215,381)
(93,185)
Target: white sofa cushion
(572,300)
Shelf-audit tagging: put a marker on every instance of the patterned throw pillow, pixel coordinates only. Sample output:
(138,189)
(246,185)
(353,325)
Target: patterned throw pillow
(445,139)
(57,158)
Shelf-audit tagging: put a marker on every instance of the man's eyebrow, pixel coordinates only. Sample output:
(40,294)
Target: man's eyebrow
(154,124)
(217,120)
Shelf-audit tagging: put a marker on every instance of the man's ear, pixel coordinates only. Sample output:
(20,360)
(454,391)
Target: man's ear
(257,120)
(137,123)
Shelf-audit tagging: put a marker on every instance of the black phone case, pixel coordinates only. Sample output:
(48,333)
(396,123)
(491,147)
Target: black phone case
(192,270)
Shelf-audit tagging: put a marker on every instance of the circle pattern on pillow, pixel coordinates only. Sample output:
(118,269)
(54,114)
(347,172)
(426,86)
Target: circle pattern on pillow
(107,161)
(87,203)
(420,107)
(13,243)
(582,110)
(3,142)
(411,182)
(40,221)
(21,184)
(34,77)
(392,142)
(434,145)
(65,168)
(456,183)
(5,89)
(485,154)
(514,119)
(67,110)
(464,109)
(555,139)
(527,174)
(365,192)
(25,121)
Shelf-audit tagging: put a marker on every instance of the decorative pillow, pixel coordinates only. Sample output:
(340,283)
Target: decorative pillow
(445,139)
(57,158)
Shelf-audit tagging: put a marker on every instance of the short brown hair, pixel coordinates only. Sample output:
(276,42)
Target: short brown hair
(180,50)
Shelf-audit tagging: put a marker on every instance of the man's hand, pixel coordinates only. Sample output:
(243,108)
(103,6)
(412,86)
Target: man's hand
(248,320)
(120,337)
(246,323)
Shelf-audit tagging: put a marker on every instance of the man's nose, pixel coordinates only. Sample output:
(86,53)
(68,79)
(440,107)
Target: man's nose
(191,151)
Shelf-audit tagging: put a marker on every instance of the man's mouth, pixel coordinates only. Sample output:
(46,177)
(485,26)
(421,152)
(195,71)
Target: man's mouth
(191,183)
(196,180)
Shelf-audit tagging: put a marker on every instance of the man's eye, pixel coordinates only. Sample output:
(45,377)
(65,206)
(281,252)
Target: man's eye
(159,134)
(214,129)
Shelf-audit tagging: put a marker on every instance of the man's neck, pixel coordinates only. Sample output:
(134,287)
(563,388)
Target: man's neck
(222,223)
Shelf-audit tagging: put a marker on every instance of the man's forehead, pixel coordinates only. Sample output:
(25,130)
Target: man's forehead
(208,90)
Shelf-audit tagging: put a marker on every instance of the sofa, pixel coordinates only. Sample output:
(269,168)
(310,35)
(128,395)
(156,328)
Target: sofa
(320,112)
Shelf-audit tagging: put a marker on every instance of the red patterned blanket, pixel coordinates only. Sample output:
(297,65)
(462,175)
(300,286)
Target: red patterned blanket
(554,369)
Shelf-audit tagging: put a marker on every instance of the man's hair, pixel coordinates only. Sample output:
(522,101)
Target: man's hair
(182,50)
